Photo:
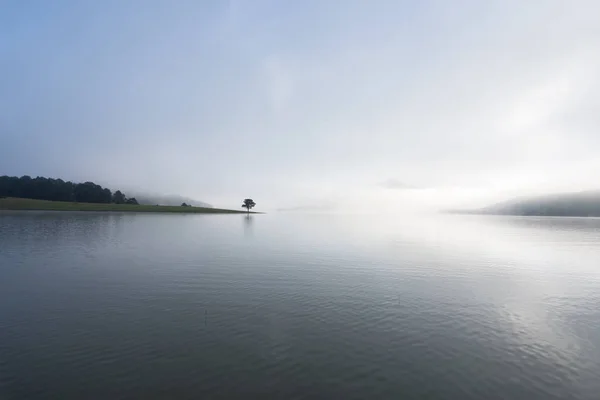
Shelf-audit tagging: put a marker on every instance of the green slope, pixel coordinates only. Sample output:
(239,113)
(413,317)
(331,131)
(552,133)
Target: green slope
(11,203)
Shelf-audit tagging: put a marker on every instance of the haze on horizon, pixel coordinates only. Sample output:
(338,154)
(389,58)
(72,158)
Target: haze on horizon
(319,105)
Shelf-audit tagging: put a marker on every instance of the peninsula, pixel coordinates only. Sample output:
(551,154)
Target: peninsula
(26,193)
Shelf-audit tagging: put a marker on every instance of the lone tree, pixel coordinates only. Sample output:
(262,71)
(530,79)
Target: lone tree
(248,204)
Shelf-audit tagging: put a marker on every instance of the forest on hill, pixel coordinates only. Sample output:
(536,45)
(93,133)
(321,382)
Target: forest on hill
(580,204)
(41,188)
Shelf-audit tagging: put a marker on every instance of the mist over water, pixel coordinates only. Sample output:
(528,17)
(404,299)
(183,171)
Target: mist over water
(127,306)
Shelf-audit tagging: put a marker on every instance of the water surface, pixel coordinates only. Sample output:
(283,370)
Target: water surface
(128,306)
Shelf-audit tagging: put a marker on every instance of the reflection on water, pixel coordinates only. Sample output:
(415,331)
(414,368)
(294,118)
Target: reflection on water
(248,220)
(101,305)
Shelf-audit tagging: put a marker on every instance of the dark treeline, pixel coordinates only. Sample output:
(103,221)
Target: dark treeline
(58,190)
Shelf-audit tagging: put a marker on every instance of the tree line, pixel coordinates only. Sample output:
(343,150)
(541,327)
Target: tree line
(41,188)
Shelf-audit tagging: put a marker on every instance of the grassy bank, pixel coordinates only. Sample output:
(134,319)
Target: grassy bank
(11,203)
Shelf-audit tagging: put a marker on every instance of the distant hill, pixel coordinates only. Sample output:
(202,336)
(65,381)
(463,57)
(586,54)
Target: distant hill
(169,200)
(580,204)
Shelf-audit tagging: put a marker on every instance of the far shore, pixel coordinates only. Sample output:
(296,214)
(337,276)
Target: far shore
(12,203)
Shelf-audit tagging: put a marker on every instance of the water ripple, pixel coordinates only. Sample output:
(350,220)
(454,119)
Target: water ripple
(127,307)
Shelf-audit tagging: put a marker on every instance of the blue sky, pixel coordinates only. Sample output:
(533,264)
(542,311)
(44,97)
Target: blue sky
(324,104)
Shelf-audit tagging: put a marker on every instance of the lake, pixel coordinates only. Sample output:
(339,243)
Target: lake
(152,306)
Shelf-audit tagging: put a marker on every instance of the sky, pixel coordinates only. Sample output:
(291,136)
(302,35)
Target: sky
(314,105)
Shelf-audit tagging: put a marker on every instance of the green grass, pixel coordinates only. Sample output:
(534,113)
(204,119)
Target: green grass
(12,203)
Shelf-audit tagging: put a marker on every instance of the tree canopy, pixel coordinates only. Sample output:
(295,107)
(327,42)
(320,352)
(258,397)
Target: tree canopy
(248,204)
(41,188)
(119,198)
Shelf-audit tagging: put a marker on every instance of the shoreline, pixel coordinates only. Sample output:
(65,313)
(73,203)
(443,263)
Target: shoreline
(21,204)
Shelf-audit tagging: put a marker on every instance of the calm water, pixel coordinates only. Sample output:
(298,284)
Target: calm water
(123,306)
